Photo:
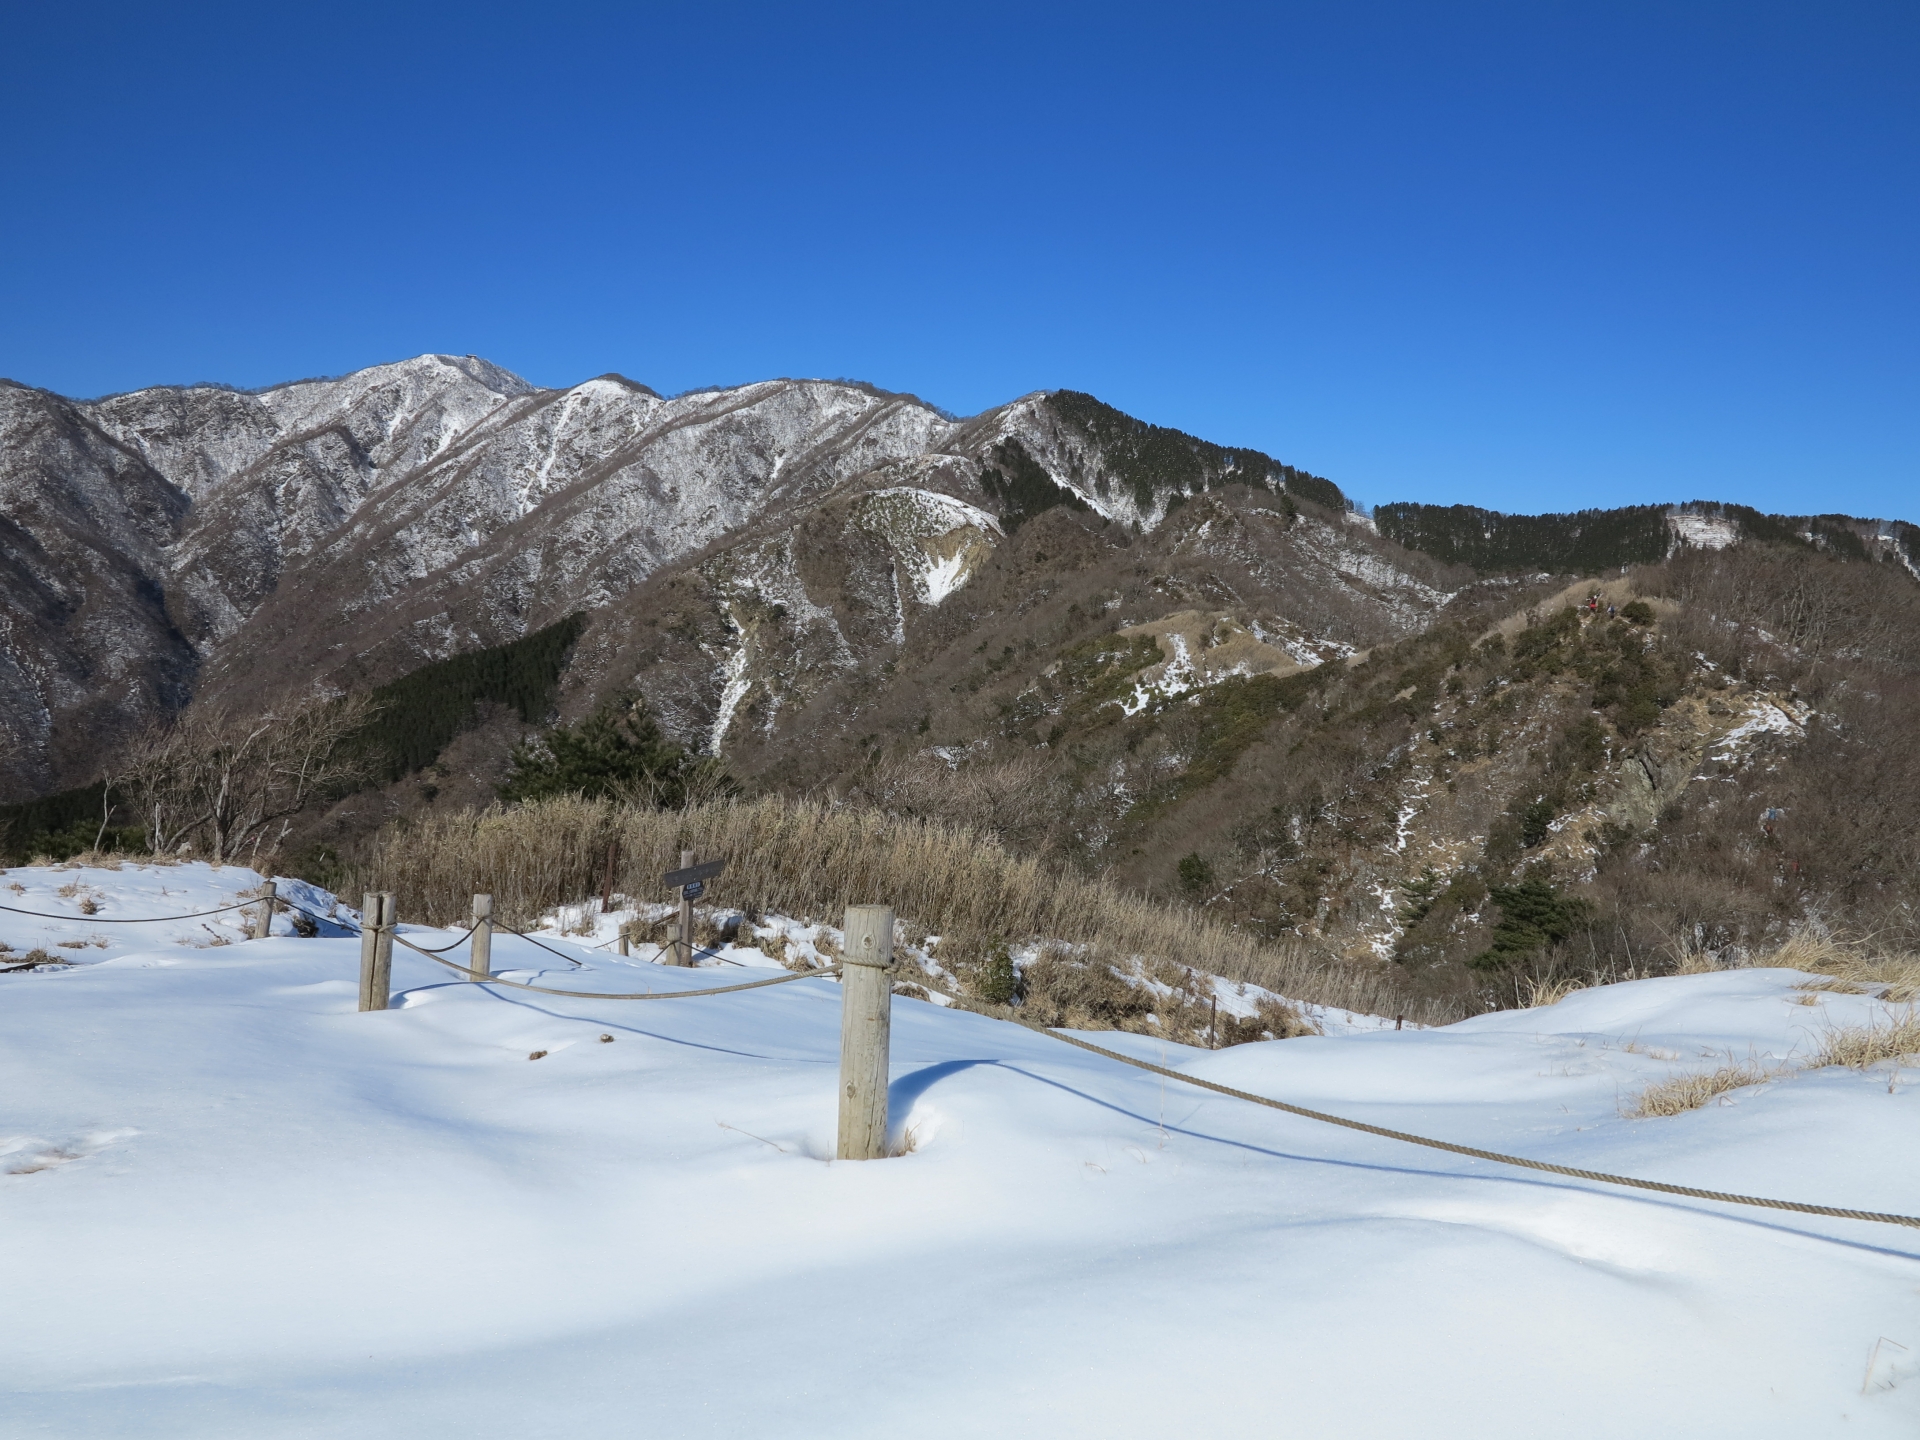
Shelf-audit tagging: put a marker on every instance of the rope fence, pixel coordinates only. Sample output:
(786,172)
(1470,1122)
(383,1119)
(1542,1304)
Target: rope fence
(858,1093)
(1599,1176)
(144,919)
(486,979)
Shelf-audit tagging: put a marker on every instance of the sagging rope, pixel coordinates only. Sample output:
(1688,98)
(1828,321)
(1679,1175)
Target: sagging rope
(485,979)
(464,937)
(1596,1175)
(143,919)
(439,950)
(531,941)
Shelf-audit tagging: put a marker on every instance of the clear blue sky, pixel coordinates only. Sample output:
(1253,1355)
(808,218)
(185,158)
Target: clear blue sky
(1528,255)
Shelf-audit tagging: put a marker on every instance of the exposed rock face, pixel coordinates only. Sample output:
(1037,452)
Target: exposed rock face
(89,644)
(182,544)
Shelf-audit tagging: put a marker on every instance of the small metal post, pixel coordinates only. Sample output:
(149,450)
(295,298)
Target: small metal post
(866,1022)
(482,953)
(263,921)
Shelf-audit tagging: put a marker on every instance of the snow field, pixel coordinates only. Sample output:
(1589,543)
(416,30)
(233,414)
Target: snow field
(233,1206)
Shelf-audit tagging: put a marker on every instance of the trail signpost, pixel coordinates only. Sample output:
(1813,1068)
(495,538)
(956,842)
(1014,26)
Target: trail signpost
(691,881)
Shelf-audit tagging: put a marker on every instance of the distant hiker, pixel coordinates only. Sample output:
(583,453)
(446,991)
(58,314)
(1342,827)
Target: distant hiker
(1611,612)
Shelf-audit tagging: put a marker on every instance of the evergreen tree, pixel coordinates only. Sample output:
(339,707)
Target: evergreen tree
(619,752)
(1533,915)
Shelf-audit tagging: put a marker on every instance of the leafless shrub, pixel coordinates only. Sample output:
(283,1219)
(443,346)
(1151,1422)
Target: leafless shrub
(1011,801)
(1082,995)
(1271,1020)
(227,780)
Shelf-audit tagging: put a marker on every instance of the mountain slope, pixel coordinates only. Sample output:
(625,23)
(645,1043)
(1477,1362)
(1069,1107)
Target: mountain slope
(1187,666)
(174,543)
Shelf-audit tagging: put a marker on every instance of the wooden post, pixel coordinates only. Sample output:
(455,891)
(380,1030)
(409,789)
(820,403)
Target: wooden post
(263,922)
(866,1021)
(606,892)
(683,947)
(376,951)
(482,953)
(625,932)
(383,954)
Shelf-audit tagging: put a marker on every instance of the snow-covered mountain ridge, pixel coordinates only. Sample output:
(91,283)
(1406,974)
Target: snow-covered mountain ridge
(173,543)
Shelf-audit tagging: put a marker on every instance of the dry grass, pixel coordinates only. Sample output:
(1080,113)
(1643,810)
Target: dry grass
(31,960)
(810,860)
(1851,966)
(1861,1046)
(1690,959)
(1553,991)
(1681,1093)
(1858,1047)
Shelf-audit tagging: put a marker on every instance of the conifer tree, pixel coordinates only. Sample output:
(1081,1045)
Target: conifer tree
(617,752)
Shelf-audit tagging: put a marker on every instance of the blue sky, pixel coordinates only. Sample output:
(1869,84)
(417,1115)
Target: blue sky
(1535,256)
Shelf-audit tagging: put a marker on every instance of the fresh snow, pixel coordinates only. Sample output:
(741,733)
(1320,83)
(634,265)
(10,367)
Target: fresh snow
(1703,532)
(235,1207)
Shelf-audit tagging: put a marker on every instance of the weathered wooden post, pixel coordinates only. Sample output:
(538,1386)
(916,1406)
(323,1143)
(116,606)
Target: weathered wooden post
(482,955)
(683,950)
(626,929)
(606,892)
(369,945)
(263,921)
(376,951)
(866,1023)
(691,880)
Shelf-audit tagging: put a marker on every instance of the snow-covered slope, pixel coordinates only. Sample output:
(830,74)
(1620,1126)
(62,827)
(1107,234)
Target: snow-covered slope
(233,1206)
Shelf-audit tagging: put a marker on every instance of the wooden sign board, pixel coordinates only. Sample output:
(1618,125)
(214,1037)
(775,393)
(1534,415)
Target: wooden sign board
(693,874)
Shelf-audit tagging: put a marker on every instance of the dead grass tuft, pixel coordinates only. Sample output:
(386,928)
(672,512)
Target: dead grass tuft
(1692,959)
(1553,991)
(32,960)
(1681,1093)
(1273,1020)
(1852,967)
(1860,1046)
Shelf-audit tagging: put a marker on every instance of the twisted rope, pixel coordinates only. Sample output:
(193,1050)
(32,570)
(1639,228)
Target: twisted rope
(1596,1175)
(590,995)
(439,950)
(137,920)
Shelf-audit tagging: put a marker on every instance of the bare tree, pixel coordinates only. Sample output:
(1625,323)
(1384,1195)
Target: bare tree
(230,779)
(1016,800)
